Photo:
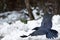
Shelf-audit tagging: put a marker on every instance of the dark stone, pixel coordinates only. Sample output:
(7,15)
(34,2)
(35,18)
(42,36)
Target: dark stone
(1,37)
(3,16)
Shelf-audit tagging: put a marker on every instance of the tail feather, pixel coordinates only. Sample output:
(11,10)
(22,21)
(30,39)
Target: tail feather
(52,34)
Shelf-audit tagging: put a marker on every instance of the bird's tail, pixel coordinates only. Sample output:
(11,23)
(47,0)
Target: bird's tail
(52,34)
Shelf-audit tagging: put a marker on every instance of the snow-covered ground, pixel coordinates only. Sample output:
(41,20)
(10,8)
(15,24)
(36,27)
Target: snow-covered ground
(17,28)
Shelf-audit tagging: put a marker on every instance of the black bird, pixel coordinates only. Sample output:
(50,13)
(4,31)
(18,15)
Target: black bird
(45,28)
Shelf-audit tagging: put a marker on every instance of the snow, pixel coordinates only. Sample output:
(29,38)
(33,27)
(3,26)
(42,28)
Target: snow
(17,28)
(12,17)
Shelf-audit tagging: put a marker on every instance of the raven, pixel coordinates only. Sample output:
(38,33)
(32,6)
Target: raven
(45,28)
